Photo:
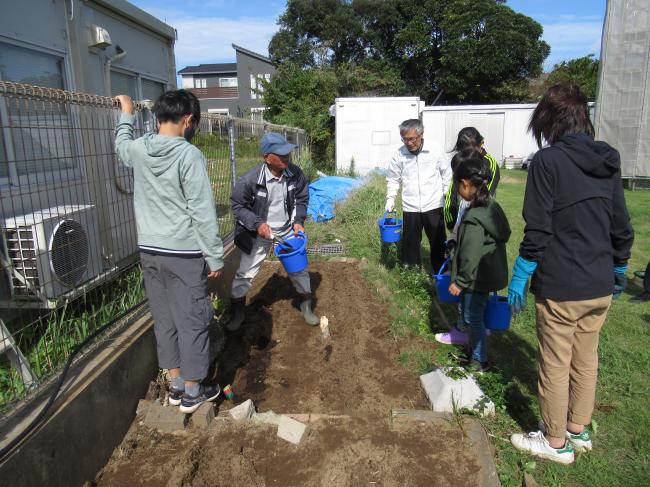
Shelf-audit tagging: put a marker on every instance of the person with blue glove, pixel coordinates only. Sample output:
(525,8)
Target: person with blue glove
(575,249)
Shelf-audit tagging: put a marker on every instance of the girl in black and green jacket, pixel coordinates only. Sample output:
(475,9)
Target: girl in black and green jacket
(479,264)
(469,138)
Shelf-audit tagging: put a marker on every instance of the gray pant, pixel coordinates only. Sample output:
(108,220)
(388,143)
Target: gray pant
(181,308)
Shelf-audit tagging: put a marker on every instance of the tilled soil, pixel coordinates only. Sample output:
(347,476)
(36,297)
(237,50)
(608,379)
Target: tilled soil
(285,366)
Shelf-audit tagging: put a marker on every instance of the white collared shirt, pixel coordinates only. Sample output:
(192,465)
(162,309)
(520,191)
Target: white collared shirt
(424,177)
(276,187)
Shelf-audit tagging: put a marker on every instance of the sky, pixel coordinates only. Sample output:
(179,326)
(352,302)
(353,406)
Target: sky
(208,28)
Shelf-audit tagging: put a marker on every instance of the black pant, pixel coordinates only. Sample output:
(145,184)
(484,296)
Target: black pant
(646,279)
(434,227)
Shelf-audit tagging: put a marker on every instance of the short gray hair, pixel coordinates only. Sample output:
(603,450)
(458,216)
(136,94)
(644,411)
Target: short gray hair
(411,124)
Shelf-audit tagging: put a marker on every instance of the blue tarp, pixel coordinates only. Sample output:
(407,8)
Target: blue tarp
(325,192)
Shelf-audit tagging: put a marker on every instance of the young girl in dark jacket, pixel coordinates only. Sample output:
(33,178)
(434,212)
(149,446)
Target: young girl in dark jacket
(479,264)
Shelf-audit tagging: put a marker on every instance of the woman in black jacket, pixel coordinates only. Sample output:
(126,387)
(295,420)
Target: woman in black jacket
(576,245)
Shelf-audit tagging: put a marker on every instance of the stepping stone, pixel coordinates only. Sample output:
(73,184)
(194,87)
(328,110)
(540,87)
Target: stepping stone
(291,430)
(451,395)
(242,412)
(165,418)
(203,416)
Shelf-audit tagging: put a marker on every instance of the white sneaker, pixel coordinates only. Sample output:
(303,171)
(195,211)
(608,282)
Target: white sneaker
(581,442)
(536,444)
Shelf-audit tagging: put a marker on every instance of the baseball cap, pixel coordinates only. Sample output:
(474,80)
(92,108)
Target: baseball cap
(274,143)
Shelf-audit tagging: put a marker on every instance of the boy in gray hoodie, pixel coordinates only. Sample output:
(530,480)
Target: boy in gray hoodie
(178,238)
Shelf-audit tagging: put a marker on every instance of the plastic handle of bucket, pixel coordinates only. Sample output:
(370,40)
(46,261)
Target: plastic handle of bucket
(444,265)
(386,213)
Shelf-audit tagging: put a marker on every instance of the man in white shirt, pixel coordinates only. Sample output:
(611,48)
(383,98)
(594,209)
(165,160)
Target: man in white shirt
(424,173)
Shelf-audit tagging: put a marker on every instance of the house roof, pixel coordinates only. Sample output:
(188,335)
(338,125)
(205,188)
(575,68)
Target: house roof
(251,53)
(210,69)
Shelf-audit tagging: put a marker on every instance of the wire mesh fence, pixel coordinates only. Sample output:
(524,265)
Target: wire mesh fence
(68,244)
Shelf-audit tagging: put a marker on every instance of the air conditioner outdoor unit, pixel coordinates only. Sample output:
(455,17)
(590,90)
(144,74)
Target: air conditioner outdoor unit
(52,251)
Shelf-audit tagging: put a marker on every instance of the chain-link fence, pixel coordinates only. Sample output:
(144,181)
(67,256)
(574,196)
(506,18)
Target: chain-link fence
(68,243)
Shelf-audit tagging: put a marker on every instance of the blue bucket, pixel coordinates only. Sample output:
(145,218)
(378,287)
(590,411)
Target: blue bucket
(390,229)
(295,261)
(443,281)
(497,313)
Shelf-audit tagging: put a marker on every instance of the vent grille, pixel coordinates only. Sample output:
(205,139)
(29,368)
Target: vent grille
(21,247)
(69,252)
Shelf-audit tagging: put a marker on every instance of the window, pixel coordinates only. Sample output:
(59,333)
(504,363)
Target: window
(256,86)
(151,90)
(219,111)
(123,84)
(257,114)
(227,82)
(37,139)
(200,83)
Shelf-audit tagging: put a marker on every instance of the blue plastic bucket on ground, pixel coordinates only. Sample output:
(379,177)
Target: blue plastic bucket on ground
(390,229)
(497,313)
(296,260)
(443,281)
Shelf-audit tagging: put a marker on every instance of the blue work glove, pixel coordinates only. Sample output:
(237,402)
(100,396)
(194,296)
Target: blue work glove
(521,272)
(620,280)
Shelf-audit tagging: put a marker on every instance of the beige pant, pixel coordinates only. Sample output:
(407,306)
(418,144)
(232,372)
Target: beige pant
(568,333)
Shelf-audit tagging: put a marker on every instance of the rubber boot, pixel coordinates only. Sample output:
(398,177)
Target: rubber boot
(305,306)
(237,313)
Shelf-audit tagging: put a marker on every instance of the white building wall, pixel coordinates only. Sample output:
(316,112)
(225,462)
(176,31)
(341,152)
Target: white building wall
(367,130)
(504,127)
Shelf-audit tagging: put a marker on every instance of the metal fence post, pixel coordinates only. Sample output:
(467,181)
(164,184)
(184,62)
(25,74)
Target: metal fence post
(231,143)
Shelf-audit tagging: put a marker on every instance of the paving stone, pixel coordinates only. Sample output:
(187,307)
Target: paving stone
(268,417)
(165,418)
(143,406)
(449,395)
(243,412)
(203,416)
(291,430)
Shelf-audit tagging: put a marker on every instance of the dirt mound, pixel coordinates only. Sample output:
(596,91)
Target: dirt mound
(286,366)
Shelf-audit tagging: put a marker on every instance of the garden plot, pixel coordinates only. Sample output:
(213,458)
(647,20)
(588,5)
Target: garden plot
(285,366)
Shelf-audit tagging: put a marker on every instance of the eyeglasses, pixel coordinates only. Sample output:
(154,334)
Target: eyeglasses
(411,139)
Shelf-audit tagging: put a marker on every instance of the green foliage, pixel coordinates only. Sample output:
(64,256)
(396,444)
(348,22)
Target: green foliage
(583,71)
(466,50)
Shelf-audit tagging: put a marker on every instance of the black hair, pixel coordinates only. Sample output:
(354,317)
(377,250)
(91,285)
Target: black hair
(172,105)
(476,172)
(465,154)
(468,137)
(563,110)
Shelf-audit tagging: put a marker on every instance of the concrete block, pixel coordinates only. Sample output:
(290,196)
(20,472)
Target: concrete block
(203,416)
(268,417)
(143,406)
(243,412)
(449,395)
(529,480)
(291,430)
(165,418)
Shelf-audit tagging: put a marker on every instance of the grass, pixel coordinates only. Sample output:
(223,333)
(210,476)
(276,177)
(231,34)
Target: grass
(621,418)
(47,339)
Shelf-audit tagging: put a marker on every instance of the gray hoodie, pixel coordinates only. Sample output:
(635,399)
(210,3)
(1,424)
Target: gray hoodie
(174,206)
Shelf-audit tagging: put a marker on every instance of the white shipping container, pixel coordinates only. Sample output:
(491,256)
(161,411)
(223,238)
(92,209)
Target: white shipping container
(504,127)
(367,130)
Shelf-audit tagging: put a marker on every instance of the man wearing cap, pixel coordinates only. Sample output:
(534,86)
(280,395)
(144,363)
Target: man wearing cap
(270,199)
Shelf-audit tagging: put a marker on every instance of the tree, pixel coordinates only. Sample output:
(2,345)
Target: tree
(583,71)
(469,51)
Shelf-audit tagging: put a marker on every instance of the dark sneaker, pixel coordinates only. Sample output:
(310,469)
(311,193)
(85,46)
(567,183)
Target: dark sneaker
(189,404)
(175,396)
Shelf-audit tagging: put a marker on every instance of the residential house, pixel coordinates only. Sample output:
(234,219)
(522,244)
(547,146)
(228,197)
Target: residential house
(230,88)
